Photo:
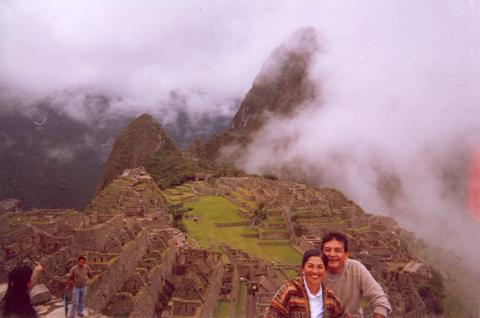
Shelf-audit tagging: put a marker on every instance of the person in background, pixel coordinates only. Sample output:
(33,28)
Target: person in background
(16,302)
(350,280)
(78,276)
(306,296)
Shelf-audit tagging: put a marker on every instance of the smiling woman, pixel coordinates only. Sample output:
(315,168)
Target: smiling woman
(306,296)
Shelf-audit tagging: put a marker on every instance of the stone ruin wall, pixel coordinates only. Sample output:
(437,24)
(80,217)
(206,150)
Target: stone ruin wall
(103,287)
(213,292)
(95,238)
(147,297)
(234,292)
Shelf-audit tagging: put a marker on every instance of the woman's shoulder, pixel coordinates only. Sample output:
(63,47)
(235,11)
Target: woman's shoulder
(292,284)
(290,287)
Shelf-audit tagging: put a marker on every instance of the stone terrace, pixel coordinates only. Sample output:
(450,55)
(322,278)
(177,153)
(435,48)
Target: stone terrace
(310,213)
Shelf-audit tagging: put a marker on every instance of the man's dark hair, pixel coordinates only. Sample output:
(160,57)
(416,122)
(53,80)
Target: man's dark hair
(82,257)
(335,236)
(314,252)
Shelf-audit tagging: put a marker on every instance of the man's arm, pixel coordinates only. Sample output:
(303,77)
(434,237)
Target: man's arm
(375,295)
(89,272)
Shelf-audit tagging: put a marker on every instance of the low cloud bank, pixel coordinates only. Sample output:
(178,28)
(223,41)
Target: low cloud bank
(396,123)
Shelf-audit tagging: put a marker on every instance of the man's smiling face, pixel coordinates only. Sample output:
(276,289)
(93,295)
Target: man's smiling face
(335,251)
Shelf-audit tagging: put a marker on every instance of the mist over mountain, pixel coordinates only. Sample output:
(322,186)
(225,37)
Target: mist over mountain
(50,165)
(52,154)
(281,89)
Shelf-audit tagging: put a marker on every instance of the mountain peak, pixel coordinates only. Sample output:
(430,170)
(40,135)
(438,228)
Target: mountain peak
(139,141)
(281,88)
(283,83)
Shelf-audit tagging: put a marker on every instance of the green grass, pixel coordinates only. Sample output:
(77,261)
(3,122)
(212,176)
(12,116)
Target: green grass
(183,188)
(251,204)
(179,194)
(140,187)
(241,198)
(291,273)
(265,230)
(244,191)
(211,209)
(177,198)
(123,181)
(222,310)
(305,214)
(237,196)
(215,209)
(275,220)
(41,222)
(362,229)
(321,220)
(281,254)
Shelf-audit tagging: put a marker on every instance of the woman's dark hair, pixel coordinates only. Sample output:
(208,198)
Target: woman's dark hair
(314,252)
(17,297)
(337,237)
(82,257)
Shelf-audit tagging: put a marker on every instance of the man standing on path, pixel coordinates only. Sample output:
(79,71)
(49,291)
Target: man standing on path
(350,280)
(78,277)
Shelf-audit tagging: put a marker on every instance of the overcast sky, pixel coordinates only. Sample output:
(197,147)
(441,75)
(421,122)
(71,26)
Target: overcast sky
(211,51)
(400,82)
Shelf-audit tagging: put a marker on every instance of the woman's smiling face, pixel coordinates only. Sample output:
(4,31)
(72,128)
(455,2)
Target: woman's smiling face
(314,270)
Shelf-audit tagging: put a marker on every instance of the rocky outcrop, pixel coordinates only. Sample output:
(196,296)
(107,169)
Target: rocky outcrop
(3,290)
(40,294)
(282,87)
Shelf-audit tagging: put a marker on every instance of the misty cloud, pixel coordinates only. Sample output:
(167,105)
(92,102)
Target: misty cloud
(6,141)
(399,82)
(61,154)
(397,120)
(139,52)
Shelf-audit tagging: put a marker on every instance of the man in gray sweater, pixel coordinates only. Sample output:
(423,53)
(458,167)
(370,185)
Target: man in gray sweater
(350,280)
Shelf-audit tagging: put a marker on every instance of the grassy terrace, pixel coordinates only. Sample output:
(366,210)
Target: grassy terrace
(179,194)
(215,209)
(223,309)
(321,221)
(240,198)
(275,220)
(306,213)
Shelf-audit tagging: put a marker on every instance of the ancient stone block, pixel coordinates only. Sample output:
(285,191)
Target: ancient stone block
(40,294)
(3,290)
